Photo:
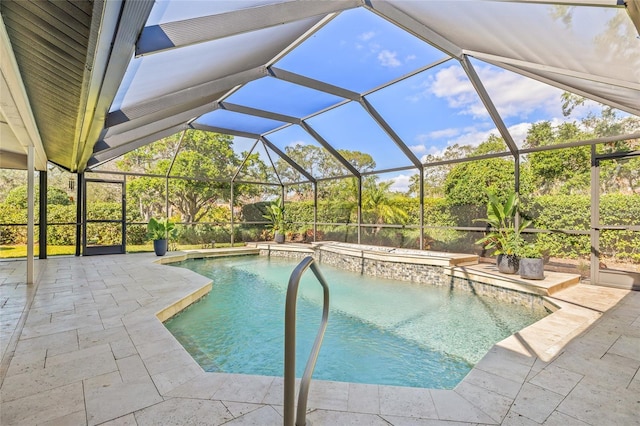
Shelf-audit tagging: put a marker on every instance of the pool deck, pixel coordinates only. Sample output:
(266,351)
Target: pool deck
(84,346)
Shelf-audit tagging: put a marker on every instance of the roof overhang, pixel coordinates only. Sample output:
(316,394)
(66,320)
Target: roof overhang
(18,129)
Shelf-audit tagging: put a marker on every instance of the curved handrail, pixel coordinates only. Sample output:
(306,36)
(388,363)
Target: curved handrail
(290,344)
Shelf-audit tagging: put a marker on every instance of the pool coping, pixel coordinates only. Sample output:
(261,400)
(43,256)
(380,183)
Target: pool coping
(509,362)
(124,365)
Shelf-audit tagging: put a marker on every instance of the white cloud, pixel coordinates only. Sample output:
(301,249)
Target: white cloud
(472,136)
(435,151)
(443,133)
(400,182)
(519,132)
(418,149)
(388,59)
(410,58)
(512,94)
(366,36)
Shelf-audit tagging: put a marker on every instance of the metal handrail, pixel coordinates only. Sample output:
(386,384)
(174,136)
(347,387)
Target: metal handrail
(290,345)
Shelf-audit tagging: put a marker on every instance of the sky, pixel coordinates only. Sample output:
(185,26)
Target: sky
(429,111)
(360,51)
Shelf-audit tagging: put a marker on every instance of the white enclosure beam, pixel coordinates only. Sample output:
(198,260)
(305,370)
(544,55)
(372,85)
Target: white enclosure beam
(171,35)
(19,129)
(31,191)
(118,33)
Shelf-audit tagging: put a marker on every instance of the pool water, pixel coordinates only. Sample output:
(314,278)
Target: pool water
(379,332)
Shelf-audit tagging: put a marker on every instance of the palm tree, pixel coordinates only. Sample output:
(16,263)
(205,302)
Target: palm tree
(378,205)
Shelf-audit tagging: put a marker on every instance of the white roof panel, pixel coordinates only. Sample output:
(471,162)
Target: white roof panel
(149,77)
(597,41)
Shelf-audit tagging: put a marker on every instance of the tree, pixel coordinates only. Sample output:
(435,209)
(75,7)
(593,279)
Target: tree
(434,176)
(378,205)
(562,171)
(17,197)
(207,162)
(567,171)
(468,182)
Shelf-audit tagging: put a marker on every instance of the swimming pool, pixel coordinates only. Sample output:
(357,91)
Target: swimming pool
(379,332)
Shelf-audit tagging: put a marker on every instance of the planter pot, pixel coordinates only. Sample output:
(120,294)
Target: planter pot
(532,269)
(160,247)
(507,264)
(278,238)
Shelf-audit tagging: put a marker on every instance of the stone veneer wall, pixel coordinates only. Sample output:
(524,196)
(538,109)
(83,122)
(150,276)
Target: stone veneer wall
(416,273)
(392,270)
(288,254)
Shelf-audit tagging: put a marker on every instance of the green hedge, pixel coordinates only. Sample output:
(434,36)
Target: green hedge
(558,212)
(65,234)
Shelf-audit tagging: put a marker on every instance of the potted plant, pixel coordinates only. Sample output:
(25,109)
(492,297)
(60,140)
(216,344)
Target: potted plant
(275,213)
(531,262)
(160,230)
(503,237)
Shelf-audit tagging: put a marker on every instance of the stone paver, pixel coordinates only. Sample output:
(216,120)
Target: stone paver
(83,346)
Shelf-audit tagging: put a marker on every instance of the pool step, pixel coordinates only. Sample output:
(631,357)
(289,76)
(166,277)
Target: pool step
(179,256)
(488,274)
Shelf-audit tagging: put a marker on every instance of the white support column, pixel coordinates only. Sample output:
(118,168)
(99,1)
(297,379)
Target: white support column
(30,212)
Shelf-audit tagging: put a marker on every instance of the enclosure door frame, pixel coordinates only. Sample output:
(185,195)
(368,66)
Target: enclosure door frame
(89,250)
(602,275)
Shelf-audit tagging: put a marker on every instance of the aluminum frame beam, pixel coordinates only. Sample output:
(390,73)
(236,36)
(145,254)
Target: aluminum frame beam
(288,159)
(258,113)
(401,19)
(330,148)
(392,134)
(225,131)
(171,35)
(312,83)
(488,104)
(244,161)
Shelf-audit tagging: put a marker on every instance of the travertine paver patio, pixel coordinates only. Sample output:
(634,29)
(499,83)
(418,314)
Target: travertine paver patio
(88,349)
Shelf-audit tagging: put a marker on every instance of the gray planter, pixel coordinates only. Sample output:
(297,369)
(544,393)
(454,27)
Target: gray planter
(532,269)
(278,238)
(507,264)
(160,247)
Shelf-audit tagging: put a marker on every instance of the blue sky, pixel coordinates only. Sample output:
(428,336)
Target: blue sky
(360,51)
(429,111)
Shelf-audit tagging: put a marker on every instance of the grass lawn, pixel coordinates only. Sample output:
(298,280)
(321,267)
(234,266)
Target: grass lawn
(9,252)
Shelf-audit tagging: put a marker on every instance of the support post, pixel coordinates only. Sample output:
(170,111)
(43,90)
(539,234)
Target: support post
(30,213)
(421,195)
(42,223)
(166,197)
(359,208)
(231,201)
(516,185)
(315,211)
(79,213)
(594,231)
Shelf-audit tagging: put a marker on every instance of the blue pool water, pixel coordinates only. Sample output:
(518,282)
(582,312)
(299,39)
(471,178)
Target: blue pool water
(379,331)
